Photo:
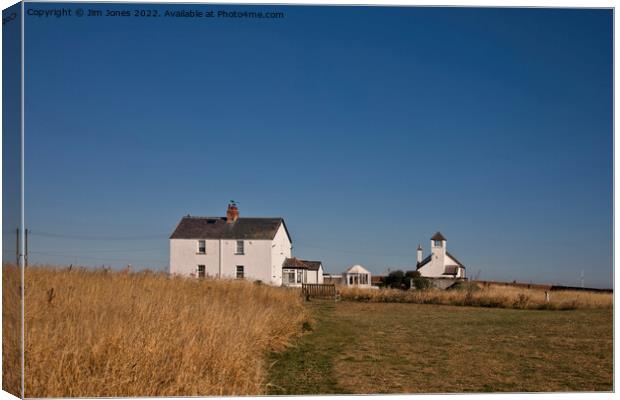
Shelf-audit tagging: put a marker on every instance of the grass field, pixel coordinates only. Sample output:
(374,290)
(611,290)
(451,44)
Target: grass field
(410,348)
(11,326)
(99,333)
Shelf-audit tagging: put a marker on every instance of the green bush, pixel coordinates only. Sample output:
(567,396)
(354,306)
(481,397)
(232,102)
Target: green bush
(395,279)
(415,279)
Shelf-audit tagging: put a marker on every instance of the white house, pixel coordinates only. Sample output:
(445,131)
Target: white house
(234,247)
(296,271)
(356,276)
(440,263)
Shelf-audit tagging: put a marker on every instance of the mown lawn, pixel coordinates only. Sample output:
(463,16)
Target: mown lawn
(411,348)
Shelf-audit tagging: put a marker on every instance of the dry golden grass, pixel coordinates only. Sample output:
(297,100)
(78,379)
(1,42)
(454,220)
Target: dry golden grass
(491,296)
(11,326)
(97,333)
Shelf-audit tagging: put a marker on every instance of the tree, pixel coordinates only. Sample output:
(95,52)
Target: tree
(394,279)
(417,280)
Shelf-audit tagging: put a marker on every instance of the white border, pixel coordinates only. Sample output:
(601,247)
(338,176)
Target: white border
(457,3)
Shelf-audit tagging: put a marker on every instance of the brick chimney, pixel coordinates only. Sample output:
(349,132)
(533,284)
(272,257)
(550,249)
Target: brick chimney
(232,213)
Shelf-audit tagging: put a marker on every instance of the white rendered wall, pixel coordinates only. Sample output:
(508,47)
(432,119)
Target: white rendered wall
(280,250)
(262,259)
(184,257)
(452,262)
(315,276)
(438,264)
(256,260)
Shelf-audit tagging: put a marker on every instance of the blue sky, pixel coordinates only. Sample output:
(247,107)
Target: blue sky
(366,129)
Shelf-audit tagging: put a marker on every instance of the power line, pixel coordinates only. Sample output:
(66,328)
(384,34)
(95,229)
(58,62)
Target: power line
(72,256)
(101,238)
(166,236)
(97,251)
(357,251)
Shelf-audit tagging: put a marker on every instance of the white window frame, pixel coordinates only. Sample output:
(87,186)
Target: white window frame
(286,276)
(204,247)
(204,271)
(237,247)
(242,272)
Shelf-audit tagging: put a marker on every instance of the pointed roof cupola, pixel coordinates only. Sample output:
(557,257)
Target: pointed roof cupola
(438,236)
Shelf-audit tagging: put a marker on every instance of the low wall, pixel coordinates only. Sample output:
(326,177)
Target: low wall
(444,283)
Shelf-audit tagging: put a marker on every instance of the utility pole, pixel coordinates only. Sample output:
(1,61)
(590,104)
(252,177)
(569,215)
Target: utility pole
(26,248)
(17,247)
(582,279)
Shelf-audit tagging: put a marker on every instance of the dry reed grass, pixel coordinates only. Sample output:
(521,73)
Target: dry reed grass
(101,333)
(491,296)
(11,326)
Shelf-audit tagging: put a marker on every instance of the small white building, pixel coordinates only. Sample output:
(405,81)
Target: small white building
(356,276)
(236,248)
(440,263)
(296,271)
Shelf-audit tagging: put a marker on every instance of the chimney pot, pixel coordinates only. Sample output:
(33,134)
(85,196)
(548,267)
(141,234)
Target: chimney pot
(232,213)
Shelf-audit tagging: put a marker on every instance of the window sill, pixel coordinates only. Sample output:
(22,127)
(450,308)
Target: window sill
(239,254)
(201,254)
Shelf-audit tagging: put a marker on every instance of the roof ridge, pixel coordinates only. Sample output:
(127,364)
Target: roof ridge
(455,259)
(224,217)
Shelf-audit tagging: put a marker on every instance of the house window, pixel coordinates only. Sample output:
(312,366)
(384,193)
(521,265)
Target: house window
(288,276)
(239,271)
(201,271)
(239,249)
(300,275)
(437,243)
(202,247)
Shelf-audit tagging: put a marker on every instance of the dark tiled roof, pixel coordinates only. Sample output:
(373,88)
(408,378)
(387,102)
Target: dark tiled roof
(218,228)
(301,264)
(455,260)
(313,265)
(438,236)
(376,279)
(428,259)
(424,262)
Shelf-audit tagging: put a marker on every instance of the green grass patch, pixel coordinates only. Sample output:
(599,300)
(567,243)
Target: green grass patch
(307,367)
(412,348)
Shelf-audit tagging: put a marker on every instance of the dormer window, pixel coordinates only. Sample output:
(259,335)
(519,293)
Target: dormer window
(202,247)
